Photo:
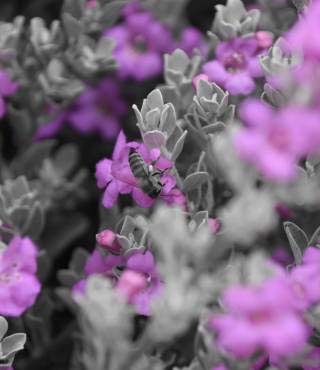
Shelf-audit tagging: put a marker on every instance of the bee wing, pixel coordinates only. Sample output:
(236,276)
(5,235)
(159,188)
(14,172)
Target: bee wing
(122,172)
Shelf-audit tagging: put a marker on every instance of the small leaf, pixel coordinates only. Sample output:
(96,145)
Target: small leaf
(194,180)
(111,11)
(35,222)
(154,139)
(300,4)
(78,260)
(3,327)
(177,149)
(67,278)
(13,343)
(72,25)
(154,99)
(297,238)
(30,161)
(315,238)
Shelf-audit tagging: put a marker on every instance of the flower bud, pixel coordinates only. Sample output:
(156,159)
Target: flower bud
(108,239)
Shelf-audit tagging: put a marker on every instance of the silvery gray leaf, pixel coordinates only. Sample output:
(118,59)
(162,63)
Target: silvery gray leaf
(177,149)
(298,240)
(195,180)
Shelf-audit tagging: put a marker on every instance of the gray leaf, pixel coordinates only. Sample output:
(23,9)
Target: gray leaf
(194,180)
(297,238)
(177,149)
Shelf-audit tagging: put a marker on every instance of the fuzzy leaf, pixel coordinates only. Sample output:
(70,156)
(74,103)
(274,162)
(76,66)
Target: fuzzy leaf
(297,238)
(72,25)
(315,238)
(13,343)
(177,149)
(194,180)
(30,161)
(111,11)
(155,100)
(35,222)
(67,278)
(300,4)
(3,327)
(154,139)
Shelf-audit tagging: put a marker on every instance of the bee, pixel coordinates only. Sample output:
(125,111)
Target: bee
(149,178)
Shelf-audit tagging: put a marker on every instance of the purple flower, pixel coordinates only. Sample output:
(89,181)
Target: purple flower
(304,283)
(236,65)
(105,178)
(19,286)
(144,264)
(7,88)
(98,264)
(311,256)
(107,239)
(256,321)
(140,43)
(97,110)
(304,34)
(312,361)
(275,141)
(116,176)
(139,282)
(191,39)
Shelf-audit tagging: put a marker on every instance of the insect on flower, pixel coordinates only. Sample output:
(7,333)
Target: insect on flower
(148,177)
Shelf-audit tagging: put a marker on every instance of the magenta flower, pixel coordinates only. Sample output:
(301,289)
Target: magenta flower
(7,88)
(192,39)
(19,286)
(144,263)
(304,282)
(312,361)
(140,43)
(98,264)
(98,110)
(275,141)
(107,239)
(139,282)
(236,65)
(256,321)
(304,34)
(116,176)
(105,178)
(311,256)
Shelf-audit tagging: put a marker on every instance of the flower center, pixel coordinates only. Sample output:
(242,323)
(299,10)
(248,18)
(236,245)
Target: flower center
(234,62)
(259,317)
(139,44)
(279,139)
(102,105)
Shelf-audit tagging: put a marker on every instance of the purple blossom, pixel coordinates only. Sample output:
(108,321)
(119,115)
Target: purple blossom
(107,239)
(256,321)
(144,264)
(236,65)
(97,110)
(19,286)
(304,34)
(192,39)
(7,88)
(304,284)
(311,256)
(98,264)
(139,283)
(116,177)
(140,43)
(312,361)
(275,141)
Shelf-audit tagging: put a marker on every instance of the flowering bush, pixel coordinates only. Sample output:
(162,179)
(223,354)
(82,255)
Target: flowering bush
(160,185)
